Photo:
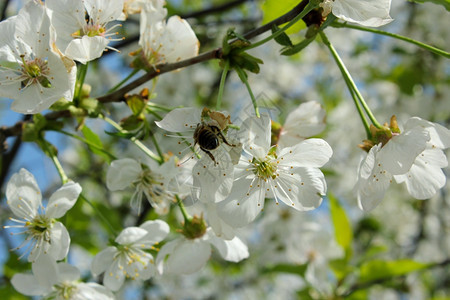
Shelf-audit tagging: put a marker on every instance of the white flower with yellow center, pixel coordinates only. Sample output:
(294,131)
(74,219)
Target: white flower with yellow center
(84,39)
(44,235)
(290,175)
(32,71)
(129,257)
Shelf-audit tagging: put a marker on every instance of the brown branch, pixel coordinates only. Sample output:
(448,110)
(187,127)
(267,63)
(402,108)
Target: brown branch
(212,10)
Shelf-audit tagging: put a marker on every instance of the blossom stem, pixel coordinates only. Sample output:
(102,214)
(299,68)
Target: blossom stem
(309,7)
(82,70)
(243,77)
(396,36)
(87,143)
(99,213)
(55,160)
(158,149)
(113,89)
(222,84)
(134,140)
(350,83)
(186,216)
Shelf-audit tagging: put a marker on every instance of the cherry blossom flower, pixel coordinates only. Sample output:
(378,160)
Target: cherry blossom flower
(290,175)
(425,176)
(128,258)
(44,235)
(58,281)
(150,181)
(32,71)
(80,39)
(365,12)
(187,256)
(165,42)
(395,155)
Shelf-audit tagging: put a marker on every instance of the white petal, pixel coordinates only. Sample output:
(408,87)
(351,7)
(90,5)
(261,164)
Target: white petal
(60,241)
(439,135)
(62,200)
(87,48)
(102,12)
(23,194)
(221,229)
(305,121)
(27,284)
(181,120)
(307,189)
(232,250)
(178,41)
(309,153)
(399,153)
(122,173)
(113,278)
(157,231)
(103,260)
(188,257)
(165,251)
(373,181)
(130,235)
(373,13)
(239,209)
(46,271)
(92,291)
(425,177)
(68,272)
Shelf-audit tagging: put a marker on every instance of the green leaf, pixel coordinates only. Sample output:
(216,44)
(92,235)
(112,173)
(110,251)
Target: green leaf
(381,269)
(282,39)
(273,9)
(342,227)
(286,268)
(445,3)
(94,139)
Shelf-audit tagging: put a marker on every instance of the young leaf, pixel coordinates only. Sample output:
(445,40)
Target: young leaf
(380,269)
(282,39)
(288,51)
(273,9)
(342,227)
(93,138)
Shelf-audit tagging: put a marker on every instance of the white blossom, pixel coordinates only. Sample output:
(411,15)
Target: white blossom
(151,181)
(290,175)
(80,39)
(44,235)
(58,281)
(129,257)
(32,71)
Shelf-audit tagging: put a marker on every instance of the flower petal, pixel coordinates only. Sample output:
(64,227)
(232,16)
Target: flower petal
(27,284)
(62,200)
(23,194)
(122,173)
(156,231)
(180,120)
(130,235)
(231,250)
(87,48)
(188,257)
(365,12)
(103,260)
(425,177)
(439,135)
(309,153)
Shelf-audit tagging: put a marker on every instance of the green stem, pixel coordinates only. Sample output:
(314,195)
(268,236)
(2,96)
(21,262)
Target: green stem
(87,143)
(161,107)
(82,70)
(349,80)
(158,149)
(58,166)
(222,84)
(309,7)
(99,213)
(186,216)
(135,141)
(243,77)
(134,72)
(396,36)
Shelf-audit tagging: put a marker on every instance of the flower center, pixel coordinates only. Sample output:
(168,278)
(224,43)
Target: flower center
(35,71)
(39,228)
(65,290)
(265,169)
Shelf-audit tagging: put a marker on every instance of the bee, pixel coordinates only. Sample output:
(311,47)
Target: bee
(208,137)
